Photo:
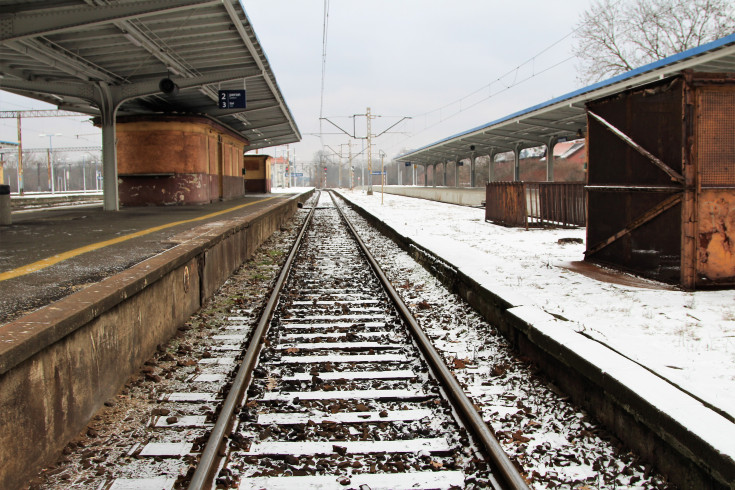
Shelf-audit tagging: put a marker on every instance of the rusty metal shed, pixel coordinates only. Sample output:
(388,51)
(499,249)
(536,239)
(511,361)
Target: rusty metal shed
(661,180)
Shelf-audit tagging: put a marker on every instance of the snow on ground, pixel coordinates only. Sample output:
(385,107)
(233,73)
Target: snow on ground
(686,337)
(290,190)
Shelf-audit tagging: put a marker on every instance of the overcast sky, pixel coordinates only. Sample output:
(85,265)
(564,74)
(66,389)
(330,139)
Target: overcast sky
(435,61)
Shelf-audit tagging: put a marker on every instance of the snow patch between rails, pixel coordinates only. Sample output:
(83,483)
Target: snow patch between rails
(300,448)
(441,480)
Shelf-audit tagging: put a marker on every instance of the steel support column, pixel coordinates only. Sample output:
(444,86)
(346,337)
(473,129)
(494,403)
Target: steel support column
(472,169)
(444,179)
(550,158)
(516,163)
(491,166)
(369,154)
(108,109)
(433,180)
(456,172)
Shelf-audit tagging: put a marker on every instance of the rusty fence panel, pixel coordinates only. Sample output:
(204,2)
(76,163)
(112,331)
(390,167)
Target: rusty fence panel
(505,204)
(536,204)
(561,204)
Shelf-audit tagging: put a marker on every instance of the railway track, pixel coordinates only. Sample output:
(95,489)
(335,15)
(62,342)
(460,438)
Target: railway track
(342,394)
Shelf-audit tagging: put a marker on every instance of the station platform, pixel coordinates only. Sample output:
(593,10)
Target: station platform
(49,253)
(86,296)
(653,363)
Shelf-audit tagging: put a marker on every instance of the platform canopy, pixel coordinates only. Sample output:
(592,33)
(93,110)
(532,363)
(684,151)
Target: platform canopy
(142,57)
(564,117)
(63,51)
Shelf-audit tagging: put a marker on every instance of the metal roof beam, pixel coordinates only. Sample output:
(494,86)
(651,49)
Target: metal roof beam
(270,126)
(506,139)
(270,141)
(438,153)
(276,135)
(87,109)
(150,87)
(252,107)
(484,145)
(33,22)
(60,60)
(555,127)
(8,69)
(490,149)
(135,36)
(517,139)
(256,56)
(81,90)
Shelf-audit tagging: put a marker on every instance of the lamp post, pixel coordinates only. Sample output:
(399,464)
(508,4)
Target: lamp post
(369,155)
(50,163)
(84,169)
(63,184)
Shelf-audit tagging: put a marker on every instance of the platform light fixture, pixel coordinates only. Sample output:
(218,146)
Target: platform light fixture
(167,86)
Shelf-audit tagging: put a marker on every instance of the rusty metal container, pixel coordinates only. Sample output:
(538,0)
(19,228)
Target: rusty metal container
(661,180)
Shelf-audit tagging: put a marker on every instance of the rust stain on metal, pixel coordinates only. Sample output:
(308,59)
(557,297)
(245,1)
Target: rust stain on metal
(684,125)
(716,233)
(505,203)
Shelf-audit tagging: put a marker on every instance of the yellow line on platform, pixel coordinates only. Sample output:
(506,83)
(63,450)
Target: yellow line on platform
(49,261)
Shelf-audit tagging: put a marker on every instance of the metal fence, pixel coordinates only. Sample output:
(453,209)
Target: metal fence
(536,204)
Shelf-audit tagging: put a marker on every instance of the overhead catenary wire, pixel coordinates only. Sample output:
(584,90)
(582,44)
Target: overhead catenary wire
(494,94)
(325,30)
(463,102)
(514,72)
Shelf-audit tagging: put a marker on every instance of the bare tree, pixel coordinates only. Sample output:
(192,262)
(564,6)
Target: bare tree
(615,36)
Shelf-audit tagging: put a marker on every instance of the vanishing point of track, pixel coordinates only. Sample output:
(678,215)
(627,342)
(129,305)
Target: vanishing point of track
(340,388)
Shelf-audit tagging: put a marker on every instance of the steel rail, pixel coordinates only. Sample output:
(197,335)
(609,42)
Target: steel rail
(202,477)
(508,472)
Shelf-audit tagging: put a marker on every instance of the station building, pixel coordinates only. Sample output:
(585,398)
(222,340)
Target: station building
(258,176)
(169,160)
(165,160)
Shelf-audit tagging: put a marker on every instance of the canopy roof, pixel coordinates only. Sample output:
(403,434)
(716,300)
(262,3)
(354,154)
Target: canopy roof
(77,54)
(565,117)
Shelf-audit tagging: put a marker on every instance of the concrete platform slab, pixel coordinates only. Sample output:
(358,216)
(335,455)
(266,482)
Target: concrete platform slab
(50,253)
(85,298)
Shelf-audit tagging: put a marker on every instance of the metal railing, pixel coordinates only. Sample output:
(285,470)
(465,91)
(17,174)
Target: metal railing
(536,204)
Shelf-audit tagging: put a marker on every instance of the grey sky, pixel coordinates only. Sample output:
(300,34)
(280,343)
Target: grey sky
(411,57)
(400,58)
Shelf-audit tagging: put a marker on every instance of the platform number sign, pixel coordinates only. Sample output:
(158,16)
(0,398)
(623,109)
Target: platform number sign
(232,99)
